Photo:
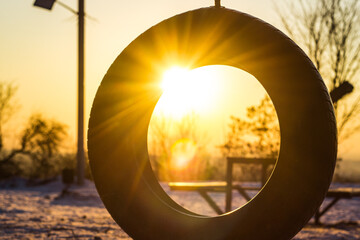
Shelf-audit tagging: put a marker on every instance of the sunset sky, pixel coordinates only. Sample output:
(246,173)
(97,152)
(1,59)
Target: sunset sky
(38,52)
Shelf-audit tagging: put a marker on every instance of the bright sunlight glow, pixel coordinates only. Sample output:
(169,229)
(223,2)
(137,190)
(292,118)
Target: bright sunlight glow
(174,78)
(186,91)
(182,152)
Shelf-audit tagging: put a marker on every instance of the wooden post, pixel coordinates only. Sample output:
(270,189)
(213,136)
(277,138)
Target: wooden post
(264,168)
(228,197)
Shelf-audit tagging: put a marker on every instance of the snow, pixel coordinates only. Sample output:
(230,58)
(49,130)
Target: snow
(44,212)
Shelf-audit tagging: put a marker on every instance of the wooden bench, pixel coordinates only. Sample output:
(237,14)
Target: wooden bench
(226,186)
(203,188)
(230,161)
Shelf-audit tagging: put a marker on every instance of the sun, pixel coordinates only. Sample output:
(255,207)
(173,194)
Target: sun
(175,78)
(186,91)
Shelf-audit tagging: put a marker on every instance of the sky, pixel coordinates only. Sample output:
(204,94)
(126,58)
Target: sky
(38,52)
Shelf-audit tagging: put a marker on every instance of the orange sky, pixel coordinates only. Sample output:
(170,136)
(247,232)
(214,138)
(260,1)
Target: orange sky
(38,52)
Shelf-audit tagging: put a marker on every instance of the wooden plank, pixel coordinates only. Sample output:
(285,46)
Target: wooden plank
(198,183)
(343,192)
(195,186)
(209,186)
(252,160)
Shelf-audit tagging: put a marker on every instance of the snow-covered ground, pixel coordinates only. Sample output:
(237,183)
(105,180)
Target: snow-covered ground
(41,212)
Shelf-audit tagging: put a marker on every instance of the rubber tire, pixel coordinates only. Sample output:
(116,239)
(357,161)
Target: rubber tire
(117,135)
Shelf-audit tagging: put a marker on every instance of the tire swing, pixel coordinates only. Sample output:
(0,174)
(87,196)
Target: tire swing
(117,135)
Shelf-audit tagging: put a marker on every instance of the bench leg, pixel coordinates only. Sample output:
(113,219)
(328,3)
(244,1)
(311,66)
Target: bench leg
(319,212)
(243,193)
(228,190)
(317,217)
(210,201)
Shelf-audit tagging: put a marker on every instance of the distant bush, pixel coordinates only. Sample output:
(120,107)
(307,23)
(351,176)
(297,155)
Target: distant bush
(38,153)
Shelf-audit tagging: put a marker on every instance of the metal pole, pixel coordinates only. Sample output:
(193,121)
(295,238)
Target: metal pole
(80,141)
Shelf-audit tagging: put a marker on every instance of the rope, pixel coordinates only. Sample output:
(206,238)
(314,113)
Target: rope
(217,4)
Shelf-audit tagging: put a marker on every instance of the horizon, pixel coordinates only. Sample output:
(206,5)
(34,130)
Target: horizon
(39,52)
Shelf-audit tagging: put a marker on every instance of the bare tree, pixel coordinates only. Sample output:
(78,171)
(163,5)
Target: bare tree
(329,31)
(8,106)
(159,144)
(41,140)
(257,135)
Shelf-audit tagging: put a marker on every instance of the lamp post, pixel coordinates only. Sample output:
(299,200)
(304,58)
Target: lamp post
(80,156)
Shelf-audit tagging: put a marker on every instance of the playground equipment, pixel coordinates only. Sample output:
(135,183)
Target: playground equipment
(117,136)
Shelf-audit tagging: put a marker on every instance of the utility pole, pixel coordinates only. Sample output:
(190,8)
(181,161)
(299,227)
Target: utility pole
(80,141)
(80,156)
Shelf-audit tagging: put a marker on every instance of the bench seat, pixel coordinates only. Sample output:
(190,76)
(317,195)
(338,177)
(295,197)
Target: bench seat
(209,186)
(343,192)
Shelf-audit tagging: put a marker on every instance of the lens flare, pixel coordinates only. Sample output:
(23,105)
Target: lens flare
(182,152)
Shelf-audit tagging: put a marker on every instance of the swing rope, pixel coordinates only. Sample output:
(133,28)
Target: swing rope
(217,4)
